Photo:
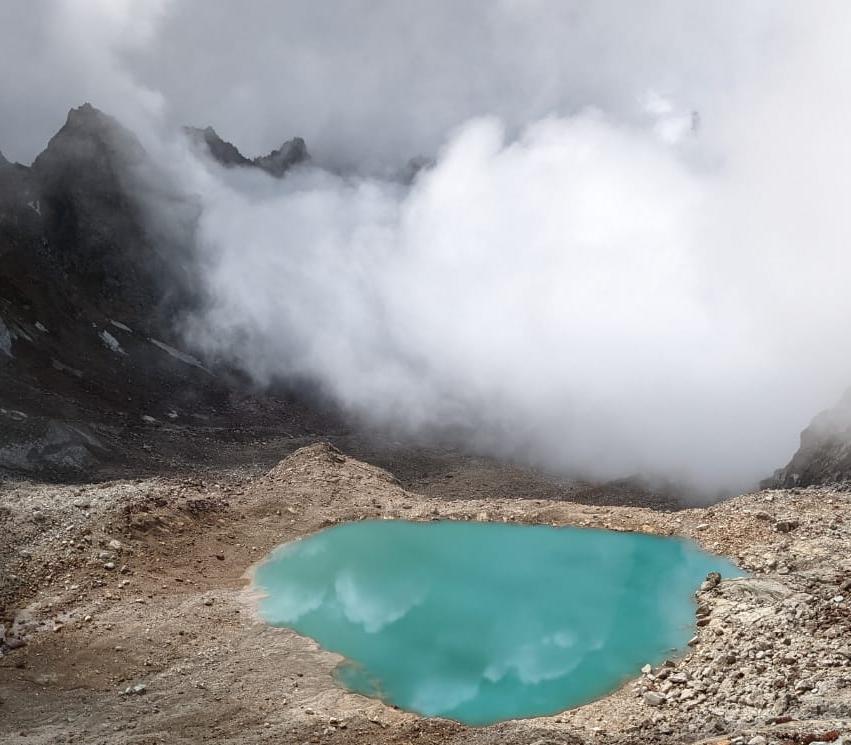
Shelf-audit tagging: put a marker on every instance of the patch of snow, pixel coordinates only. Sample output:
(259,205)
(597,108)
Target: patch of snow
(16,332)
(35,205)
(121,326)
(172,415)
(149,419)
(41,327)
(178,355)
(13,414)
(5,340)
(111,343)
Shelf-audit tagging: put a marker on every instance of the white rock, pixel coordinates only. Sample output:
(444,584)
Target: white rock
(111,343)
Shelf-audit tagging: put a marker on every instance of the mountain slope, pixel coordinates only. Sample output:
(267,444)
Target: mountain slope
(91,295)
(824,456)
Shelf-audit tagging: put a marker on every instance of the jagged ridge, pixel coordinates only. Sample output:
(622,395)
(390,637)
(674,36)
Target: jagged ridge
(276,163)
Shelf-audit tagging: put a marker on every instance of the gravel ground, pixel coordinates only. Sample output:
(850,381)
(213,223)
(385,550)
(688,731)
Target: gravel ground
(127,615)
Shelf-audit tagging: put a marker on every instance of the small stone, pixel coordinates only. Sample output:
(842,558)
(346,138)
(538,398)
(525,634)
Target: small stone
(652,698)
(713,579)
(110,565)
(646,669)
(758,740)
(208,601)
(114,544)
(786,526)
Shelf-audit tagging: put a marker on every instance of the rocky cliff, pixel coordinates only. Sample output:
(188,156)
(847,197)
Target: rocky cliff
(824,456)
(275,163)
(91,295)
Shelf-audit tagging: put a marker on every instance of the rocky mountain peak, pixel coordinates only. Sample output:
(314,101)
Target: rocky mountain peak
(86,115)
(92,138)
(279,161)
(222,151)
(276,163)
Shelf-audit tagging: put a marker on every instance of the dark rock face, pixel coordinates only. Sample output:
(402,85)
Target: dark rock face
(97,269)
(93,222)
(279,161)
(221,151)
(276,163)
(825,453)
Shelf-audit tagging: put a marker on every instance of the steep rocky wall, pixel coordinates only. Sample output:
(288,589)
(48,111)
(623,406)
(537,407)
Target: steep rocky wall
(92,292)
(824,455)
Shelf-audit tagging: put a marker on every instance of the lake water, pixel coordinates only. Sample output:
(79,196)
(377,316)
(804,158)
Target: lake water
(481,622)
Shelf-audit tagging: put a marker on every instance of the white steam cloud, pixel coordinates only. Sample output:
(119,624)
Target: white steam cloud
(589,296)
(631,268)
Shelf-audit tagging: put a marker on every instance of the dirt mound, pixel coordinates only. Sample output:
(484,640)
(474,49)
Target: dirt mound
(321,459)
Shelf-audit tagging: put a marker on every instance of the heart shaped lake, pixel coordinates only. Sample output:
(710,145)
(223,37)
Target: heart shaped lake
(481,622)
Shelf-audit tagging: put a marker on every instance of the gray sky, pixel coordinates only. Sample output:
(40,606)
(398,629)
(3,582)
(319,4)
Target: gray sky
(366,82)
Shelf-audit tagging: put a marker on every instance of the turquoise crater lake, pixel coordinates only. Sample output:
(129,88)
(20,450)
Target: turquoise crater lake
(481,622)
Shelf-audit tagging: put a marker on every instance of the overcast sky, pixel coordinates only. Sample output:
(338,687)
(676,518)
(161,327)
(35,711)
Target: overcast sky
(365,82)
